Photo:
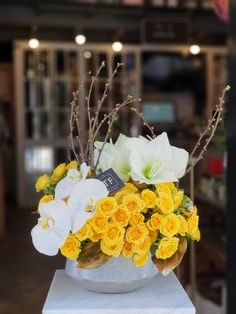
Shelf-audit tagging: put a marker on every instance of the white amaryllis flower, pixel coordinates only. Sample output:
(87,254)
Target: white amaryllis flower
(117,156)
(64,187)
(156,161)
(82,201)
(53,227)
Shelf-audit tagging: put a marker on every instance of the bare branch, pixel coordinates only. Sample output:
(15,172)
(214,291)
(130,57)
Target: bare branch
(211,128)
(90,131)
(71,127)
(140,114)
(111,117)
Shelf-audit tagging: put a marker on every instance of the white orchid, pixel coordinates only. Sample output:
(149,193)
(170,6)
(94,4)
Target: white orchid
(82,201)
(64,187)
(156,161)
(53,227)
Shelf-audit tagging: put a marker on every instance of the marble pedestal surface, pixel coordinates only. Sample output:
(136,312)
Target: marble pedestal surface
(161,296)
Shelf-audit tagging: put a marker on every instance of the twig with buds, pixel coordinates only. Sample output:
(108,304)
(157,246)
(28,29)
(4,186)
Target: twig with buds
(211,128)
(94,122)
(140,114)
(111,118)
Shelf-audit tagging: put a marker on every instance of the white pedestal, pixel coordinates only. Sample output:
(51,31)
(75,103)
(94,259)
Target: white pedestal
(161,296)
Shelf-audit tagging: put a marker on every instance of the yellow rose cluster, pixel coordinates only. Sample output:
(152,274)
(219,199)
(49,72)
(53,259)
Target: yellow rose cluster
(137,221)
(133,220)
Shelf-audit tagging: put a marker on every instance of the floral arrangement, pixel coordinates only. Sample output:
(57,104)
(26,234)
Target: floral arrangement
(149,216)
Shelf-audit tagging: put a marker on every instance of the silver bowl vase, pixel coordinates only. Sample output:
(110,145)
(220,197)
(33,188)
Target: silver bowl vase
(118,275)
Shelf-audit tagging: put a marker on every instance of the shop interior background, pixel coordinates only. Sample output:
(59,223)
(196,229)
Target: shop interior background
(175,56)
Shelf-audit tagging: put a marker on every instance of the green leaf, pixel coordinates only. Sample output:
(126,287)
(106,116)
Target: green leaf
(49,190)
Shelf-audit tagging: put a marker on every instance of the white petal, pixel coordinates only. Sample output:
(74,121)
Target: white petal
(80,219)
(73,208)
(105,161)
(158,149)
(79,198)
(84,169)
(136,142)
(58,211)
(63,189)
(46,241)
(178,161)
(87,188)
(163,177)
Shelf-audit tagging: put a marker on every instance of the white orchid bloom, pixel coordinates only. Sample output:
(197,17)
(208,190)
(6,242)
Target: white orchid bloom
(64,187)
(82,201)
(156,161)
(53,227)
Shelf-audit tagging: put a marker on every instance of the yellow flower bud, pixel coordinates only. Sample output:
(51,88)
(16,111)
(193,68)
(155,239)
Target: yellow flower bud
(58,172)
(72,165)
(42,182)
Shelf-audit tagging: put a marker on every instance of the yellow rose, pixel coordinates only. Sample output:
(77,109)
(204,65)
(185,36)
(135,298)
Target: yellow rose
(84,233)
(183,226)
(58,173)
(113,233)
(134,203)
(98,222)
(167,248)
(144,247)
(140,260)
(167,187)
(152,235)
(196,235)
(121,215)
(128,249)
(169,225)
(136,219)
(95,237)
(165,203)
(129,188)
(155,221)
(136,234)
(113,249)
(71,247)
(107,205)
(192,222)
(149,198)
(178,198)
(119,196)
(42,183)
(72,165)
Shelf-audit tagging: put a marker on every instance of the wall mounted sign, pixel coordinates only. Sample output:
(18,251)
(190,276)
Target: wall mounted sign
(166,31)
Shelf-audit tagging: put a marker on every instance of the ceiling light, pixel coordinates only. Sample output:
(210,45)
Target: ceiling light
(80,39)
(117,46)
(194,49)
(87,54)
(33,43)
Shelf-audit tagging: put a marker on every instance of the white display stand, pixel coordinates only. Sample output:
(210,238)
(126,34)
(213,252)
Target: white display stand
(161,296)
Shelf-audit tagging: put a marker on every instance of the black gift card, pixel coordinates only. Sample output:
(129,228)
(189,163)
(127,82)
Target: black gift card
(111,180)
